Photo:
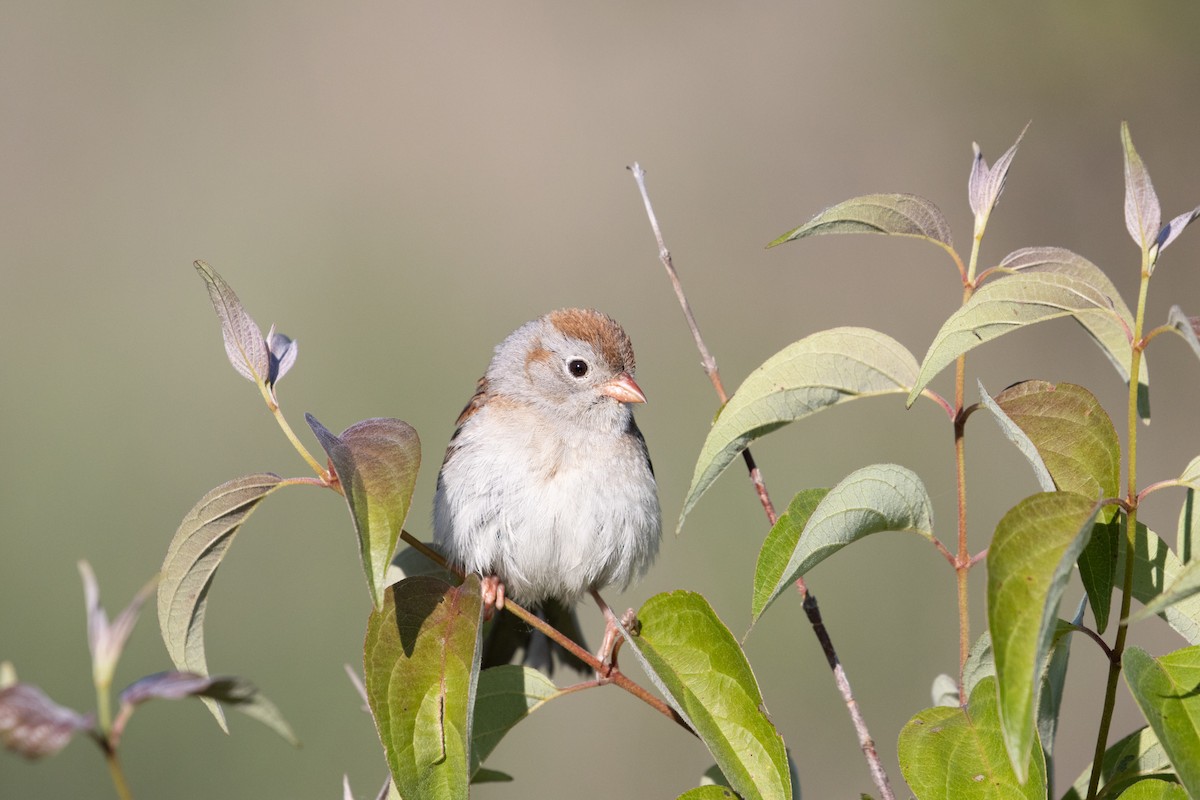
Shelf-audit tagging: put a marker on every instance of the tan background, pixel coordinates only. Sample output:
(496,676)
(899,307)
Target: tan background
(398,185)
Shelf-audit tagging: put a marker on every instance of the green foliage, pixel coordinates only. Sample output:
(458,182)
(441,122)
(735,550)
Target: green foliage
(694,659)
(815,373)
(421,667)
(1136,757)
(883,497)
(439,716)
(959,754)
(1165,690)
(195,552)
(1030,559)
(376,463)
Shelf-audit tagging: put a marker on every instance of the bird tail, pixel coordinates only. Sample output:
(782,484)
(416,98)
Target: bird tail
(510,635)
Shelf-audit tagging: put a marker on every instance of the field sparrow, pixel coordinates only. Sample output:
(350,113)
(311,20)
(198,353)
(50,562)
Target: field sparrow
(547,489)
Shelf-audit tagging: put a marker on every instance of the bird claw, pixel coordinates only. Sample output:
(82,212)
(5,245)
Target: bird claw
(491,589)
(611,645)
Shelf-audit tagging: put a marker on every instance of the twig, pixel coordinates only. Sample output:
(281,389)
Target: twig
(811,609)
(610,674)
(706,358)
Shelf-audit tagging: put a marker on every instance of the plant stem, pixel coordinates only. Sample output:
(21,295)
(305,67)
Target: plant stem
(1131,498)
(964,562)
(290,434)
(104,710)
(811,609)
(706,358)
(117,774)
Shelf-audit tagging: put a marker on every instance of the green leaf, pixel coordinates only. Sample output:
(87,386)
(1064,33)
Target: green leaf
(1020,439)
(882,497)
(376,461)
(779,545)
(195,552)
(1187,525)
(1098,568)
(1076,442)
(1165,690)
(1184,585)
(700,668)
(485,775)
(952,754)
(1155,790)
(1143,215)
(244,342)
(421,670)
(708,793)
(1050,690)
(1072,433)
(1191,474)
(1155,567)
(505,696)
(1139,755)
(1187,327)
(1039,284)
(981,663)
(889,214)
(1029,562)
(819,371)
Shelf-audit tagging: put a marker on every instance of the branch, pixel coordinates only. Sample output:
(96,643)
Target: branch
(609,672)
(811,609)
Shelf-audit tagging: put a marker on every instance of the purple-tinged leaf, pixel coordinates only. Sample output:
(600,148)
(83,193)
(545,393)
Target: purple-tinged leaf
(234,692)
(192,559)
(376,462)
(1173,228)
(166,686)
(1185,326)
(33,725)
(244,343)
(1143,215)
(986,185)
(106,640)
(888,214)
(282,350)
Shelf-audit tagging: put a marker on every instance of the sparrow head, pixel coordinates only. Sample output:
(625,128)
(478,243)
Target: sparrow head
(575,363)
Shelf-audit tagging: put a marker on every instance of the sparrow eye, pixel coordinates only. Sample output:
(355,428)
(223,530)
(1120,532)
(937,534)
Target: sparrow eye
(577,367)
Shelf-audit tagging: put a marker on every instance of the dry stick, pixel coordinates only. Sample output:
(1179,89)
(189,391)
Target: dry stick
(811,609)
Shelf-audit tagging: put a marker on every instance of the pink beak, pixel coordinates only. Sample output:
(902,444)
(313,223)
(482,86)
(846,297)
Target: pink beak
(623,389)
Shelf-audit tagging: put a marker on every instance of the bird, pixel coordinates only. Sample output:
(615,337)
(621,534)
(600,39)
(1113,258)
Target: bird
(547,490)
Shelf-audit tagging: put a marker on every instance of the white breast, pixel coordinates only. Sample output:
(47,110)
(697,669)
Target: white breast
(552,517)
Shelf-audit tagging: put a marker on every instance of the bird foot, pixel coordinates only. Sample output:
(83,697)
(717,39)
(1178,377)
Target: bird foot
(492,590)
(611,645)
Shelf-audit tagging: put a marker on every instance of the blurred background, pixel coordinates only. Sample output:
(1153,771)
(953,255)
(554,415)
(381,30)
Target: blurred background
(399,185)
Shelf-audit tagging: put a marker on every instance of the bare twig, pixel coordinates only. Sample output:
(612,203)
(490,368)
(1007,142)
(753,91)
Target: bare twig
(706,358)
(811,609)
